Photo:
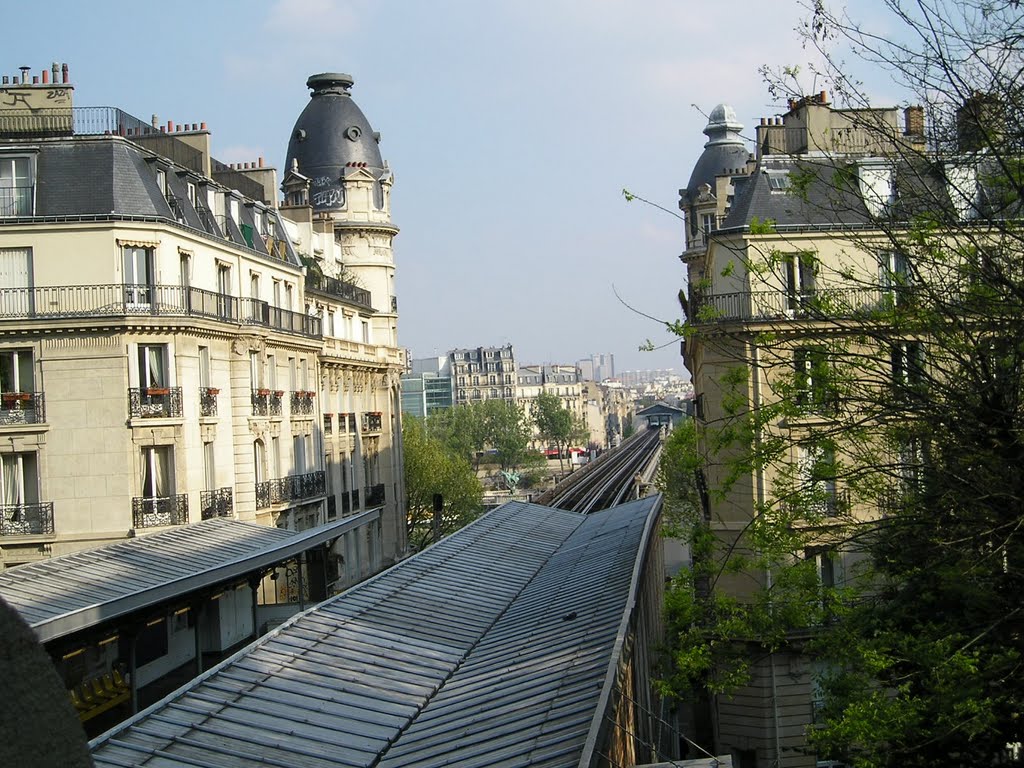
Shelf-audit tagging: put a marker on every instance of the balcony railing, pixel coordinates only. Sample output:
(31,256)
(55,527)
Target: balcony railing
(375,495)
(152,512)
(218,503)
(291,488)
(121,300)
(16,201)
(154,402)
(22,408)
(779,305)
(266,402)
(302,402)
(208,401)
(26,519)
(372,422)
(339,289)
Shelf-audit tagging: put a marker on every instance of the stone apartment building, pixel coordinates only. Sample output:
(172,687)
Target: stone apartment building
(175,345)
(483,373)
(758,255)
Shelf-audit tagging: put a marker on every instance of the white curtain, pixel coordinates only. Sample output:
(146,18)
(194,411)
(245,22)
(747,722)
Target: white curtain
(12,480)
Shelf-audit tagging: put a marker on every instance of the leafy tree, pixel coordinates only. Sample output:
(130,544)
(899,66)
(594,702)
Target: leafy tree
(557,425)
(433,468)
(906,459)
(471,429)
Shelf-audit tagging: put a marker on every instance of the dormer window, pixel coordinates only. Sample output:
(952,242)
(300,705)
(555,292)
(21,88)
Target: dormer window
(16,186)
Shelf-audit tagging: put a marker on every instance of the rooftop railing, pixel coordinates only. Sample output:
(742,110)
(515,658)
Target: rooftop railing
(339,289)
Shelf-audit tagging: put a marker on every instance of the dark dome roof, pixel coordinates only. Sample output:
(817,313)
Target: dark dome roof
(724,150)
(330,134)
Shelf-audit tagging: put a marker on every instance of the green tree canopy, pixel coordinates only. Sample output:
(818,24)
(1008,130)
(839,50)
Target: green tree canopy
(556,424)
(432,468)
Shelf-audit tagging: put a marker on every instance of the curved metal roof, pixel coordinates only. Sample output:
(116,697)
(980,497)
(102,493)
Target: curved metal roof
(332,134)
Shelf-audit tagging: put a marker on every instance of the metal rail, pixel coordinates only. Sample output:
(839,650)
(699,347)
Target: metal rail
(612,480)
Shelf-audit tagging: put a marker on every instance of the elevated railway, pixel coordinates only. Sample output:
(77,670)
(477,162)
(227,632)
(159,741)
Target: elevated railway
(616,476)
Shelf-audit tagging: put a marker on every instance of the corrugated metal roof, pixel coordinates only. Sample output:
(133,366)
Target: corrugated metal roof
(71,592)
(492,647)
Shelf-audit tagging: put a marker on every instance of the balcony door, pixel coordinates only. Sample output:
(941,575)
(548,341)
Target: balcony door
(16,186)
(153,367)
(16,371)
(138,277)
(15,282)
(157,474)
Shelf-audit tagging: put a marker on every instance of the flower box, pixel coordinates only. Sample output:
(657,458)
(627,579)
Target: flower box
(212,391)
(17,397)
(262,392)
(157,391)
(278,393)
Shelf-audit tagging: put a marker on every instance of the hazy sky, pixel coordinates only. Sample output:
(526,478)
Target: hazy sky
(511,127)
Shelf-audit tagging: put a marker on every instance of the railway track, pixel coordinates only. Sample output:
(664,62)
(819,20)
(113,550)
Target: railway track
(611,479)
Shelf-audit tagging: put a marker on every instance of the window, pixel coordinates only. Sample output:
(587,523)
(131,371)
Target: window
(272,372)
(277,293)
(153,366)
(157,472)
(289,296)
(161,181)
(209,466)
(16,186)
(709,223)
(18,482)
(893,275)
(907,365)
(233,209)
(254,285)
(813,387)
(224,279)
(259,458)
(800,269)
(366,332)
(778,180)
(255,370)
(185,270)
(816,471)
(16,370)
(304,374)
(275,455)
(204,366)
(299,454)
(292,379)
(191,193)
(138,274)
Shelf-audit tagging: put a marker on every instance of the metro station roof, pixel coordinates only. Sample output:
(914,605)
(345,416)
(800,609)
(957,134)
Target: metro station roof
(73,592)
(496,647)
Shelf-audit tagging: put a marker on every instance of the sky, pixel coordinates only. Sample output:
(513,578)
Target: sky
(512,127)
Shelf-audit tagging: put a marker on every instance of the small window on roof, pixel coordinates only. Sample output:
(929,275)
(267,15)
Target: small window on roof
(778,180)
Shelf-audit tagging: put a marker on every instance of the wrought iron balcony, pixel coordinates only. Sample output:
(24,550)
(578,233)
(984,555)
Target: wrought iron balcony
(22,408)
(218,503)
(134,299)
(26,519)
(291,488)
(338,289)
(830,303)
(372,421)
(375,495)
(154,402)
(267,402)
(302,402)
(152,512)
(208,401)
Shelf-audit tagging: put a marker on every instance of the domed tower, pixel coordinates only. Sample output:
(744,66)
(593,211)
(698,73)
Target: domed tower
(334,161)
(725,154)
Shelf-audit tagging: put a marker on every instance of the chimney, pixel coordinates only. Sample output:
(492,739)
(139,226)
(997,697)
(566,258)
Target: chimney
(64,73)
(913,121)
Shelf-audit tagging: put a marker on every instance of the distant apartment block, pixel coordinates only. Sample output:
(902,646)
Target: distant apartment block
(483,373)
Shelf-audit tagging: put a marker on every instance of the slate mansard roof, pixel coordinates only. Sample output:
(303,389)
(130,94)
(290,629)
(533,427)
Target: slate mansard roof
(496,647)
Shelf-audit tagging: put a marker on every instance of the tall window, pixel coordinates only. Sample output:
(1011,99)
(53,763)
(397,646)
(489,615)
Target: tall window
(817,473)
(138,274)
(259,456)
(271,372)
(185,269)
(255,370)
(800,268)
(893,274)
(289,296)
(153,366)
(275,455)
(224,279)
(277,293)
(299,454)
(204,366)
(254,285)
(157,481)
(16,186)
(16,370)
(18,479)
(813,385)
(209,466)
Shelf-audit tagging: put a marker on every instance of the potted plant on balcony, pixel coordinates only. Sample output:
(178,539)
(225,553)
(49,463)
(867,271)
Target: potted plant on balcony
(278,393)
(262,392)
(157,391)
(212,391)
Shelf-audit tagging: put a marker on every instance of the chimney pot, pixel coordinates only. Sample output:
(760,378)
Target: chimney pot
(202,126)
(170,126)
(64,73)
(35,79)
(55,68)
(823,97)
(24,74)
(46,76)
(163,129)
(261,162)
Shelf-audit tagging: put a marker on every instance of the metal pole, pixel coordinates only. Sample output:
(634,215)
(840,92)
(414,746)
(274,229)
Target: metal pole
(300,562)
